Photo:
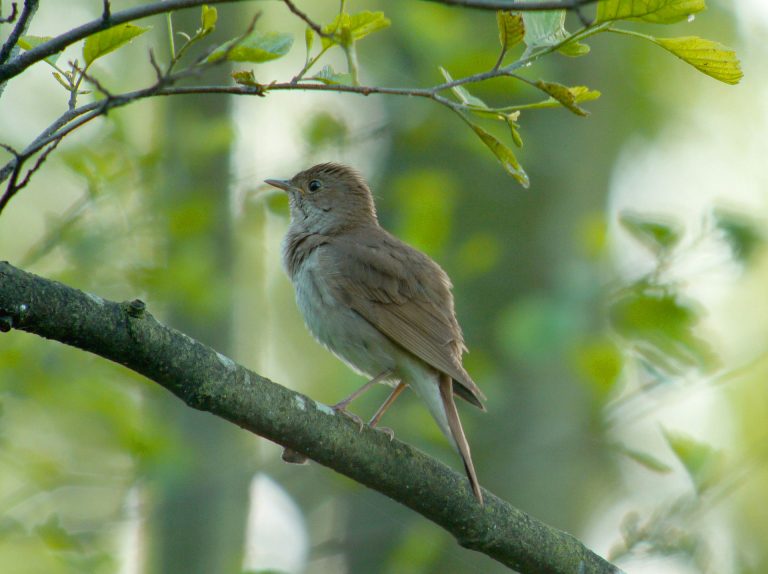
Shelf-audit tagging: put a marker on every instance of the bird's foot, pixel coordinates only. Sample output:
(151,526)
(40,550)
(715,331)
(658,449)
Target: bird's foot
(341,408)
(387,431)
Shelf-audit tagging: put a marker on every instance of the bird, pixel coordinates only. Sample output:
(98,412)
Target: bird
(381,306)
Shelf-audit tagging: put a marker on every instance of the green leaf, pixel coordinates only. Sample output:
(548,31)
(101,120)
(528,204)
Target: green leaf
(580,94)
(309,39)
(107,41)
(654,11)
(56,537)
(257,47)
(463,94)
(656,233)
(574,49)
(643,458)
(329,77)
(511,120)
(708,57)
(600,363)
(502,153)
(246,78)
(29,42)
(349,28)
(511,29)
(705,464)
(565,95)
(661,327)
(741,234)
(544,28)
(208,18)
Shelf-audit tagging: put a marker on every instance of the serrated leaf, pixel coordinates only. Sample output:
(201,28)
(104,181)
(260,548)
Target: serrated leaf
(503,154)
(656,233)
(106,41)
(654,11)
(463,94)
(328,76)
(511,29)
(710,58)
(245,78)
(348,28)
(703,463)
(208,18)
(643,458)
(29,42)
(257,47)
(563,94)
(742,234)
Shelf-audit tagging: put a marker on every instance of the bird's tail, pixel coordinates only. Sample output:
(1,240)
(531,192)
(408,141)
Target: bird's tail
(457,432)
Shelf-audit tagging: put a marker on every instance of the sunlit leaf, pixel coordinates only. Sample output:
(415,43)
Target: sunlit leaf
(208,18)
(348,28)
(511,29)
(655,11)
(257,47)
(29,42)
(643,458)
(708,57)
(107,41)
(742,234)
(463,94)
(656,233)
(704,463)
(600,362)
(328,76)
(503,154)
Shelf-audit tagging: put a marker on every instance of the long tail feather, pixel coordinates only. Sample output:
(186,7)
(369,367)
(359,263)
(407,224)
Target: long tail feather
(454,423)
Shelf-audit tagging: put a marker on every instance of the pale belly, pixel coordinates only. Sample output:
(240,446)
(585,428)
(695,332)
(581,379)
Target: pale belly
(340,329)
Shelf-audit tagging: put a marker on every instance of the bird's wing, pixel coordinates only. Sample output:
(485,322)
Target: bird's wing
(405,295)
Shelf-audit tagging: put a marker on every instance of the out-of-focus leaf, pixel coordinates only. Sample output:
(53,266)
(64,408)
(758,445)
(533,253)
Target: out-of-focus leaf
(503,154)
(309,39)
(741,234)
(600,362)
(710,58)
(348,28)
(208,18)
(29,42)
(656,233)
(463,94)
(661,326)
(643,458)
(106,41)
(277,203)
(324,129)
(56,537)
(566,96)
(426,198)
(655,11)
(257,47)
(329,76)
(511,29)
(704,463)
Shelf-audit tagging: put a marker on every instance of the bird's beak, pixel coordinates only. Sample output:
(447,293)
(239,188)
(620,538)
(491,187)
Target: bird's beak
(283,184)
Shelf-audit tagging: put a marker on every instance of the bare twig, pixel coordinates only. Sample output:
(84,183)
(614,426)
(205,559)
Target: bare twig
(57,44)
(14,185)
(10,19)
(106,14)
(307,20)
(517,6)
(30,7)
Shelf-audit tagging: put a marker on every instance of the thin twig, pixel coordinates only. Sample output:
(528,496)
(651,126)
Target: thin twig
(106,14)
(10,19)
(307,20)
(30,7)
(517,6)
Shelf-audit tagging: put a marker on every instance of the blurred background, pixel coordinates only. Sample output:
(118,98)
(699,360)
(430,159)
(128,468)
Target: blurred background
(615,311)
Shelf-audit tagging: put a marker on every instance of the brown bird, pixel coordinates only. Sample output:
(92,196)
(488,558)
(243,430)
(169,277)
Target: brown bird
(378,304)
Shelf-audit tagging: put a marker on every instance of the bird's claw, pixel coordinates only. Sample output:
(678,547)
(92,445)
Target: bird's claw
(342,410)
(387,431)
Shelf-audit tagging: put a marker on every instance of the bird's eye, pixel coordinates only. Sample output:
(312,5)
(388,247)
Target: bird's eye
(314,185)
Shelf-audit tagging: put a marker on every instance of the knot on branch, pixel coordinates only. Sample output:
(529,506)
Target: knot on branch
(11,318)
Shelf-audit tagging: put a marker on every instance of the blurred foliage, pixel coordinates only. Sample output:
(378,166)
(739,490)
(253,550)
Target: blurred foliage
(561,342)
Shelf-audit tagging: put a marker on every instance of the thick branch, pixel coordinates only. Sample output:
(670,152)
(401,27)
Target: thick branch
(204,379)
(57,44)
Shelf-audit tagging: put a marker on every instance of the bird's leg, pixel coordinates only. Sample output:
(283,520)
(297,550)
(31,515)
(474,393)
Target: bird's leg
(383,408)
(341,406)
